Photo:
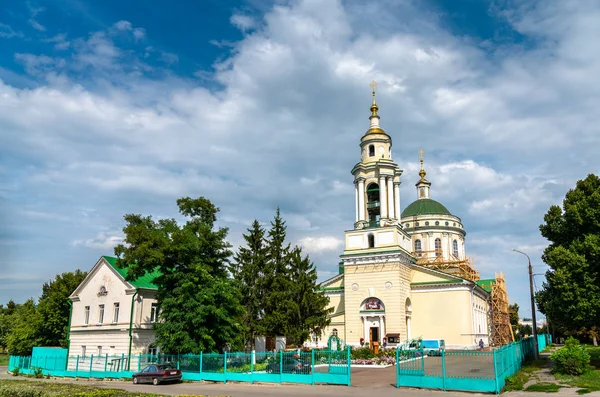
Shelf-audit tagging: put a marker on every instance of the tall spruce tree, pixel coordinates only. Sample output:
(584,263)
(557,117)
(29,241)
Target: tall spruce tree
(248,273)
(199,305)
(310,312)
(278,297)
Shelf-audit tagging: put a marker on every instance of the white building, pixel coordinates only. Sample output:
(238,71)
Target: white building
(111,315)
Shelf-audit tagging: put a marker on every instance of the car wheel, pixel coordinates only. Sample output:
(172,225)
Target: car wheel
(155,381)
(432,353)
(135,380)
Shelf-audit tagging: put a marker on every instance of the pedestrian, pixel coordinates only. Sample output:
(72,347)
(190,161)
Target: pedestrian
(481,344)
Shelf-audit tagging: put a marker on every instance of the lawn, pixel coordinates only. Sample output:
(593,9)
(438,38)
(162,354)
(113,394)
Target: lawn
(49,389)
(590,380)
(519,379)
(4,358)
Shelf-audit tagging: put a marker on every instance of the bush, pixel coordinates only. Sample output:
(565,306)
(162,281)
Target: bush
(361,353)
(15,371)
(37,372)
(572,359)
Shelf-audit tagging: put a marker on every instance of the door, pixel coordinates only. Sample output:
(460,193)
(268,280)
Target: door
(374,335)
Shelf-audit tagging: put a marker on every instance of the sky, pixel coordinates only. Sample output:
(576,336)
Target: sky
(109,108)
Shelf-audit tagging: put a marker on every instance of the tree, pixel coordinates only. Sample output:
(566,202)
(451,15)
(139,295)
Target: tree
(200,306)
(513,313)
(248,273)
(54,309)
(278,298)
(24,324)
(309,309)
(570,297)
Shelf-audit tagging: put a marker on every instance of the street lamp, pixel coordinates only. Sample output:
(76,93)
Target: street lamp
(534,325)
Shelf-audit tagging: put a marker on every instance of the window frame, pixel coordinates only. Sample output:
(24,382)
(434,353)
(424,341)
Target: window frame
(86,315)
(116,309)
(100,314)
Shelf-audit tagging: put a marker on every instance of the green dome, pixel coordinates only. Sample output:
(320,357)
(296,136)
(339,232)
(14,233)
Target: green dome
(425,207)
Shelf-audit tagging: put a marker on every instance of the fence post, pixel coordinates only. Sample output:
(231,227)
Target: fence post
(105,362)
(496,373)
(201,365)
(348,368)
(280,366)
(91,363)
(77,365)
(225,367)
(178,358)
(139,362)
(443,369)
(312,363)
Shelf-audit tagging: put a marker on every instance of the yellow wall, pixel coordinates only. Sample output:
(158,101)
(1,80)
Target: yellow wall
(427,277)
(442,315)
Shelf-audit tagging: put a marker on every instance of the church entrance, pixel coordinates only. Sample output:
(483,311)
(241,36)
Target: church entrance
(374,335)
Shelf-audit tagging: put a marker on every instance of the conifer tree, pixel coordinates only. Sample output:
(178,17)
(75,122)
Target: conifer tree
(310,312)
(248,273)
(277,298)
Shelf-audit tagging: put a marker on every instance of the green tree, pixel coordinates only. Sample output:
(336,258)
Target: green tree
(200,306)
(278,298)
(309,308)
(248,273)
(54,309)
(513,313)
(570,297)
(24,324)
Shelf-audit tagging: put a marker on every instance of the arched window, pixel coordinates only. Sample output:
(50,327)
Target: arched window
(371,150)
(438,247)
(371,241)
(418,247)
(455,248)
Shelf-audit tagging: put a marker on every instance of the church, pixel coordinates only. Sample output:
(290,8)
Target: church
(405,274)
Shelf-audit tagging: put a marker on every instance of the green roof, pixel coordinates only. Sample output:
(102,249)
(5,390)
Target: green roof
(486,284)
(146,281)
(425,207)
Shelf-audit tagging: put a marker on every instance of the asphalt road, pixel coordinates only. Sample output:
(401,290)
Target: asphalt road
(259,390)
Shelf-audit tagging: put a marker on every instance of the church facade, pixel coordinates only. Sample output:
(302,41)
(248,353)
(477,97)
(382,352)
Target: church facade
(403,275)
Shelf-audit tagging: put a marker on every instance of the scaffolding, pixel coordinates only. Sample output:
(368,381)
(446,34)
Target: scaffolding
(462,268)
(501,328)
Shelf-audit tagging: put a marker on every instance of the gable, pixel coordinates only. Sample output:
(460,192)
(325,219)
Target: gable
(146,281)
(102,280)
(336,282)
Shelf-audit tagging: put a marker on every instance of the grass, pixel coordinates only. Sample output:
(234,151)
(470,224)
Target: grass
(589,380)
(518,380)
(9,388)
(4,358)
(544,387)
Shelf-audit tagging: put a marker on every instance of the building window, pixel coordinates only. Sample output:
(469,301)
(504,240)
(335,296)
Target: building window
(416,224)
(116,313)
(455,248)
(371,150)
(86,315)
(82,351)
(371,240)
(99,351)
(112,350)
(418,246)
(100,314)
(438,247)
(154,312)
(408,225)
(426,223)
(437,223)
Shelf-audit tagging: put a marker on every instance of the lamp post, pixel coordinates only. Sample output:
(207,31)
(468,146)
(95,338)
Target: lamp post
(534,325)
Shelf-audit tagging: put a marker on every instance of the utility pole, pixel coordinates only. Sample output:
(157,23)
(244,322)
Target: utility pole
(534,325)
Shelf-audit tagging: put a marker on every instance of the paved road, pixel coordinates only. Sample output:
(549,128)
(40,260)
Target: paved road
(259,390)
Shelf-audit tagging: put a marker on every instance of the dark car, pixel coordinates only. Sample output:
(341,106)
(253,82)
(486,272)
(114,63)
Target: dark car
(157,373)
(291,365)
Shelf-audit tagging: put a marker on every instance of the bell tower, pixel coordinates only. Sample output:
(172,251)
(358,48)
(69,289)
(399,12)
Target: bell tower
(377,190)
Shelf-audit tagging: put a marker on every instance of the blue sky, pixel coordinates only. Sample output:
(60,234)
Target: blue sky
(110,107)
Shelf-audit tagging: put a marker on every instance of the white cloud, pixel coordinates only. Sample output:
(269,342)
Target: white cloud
(506,130)
(102,241)
(7,32)
(36,25)
(243,22)
(320,244)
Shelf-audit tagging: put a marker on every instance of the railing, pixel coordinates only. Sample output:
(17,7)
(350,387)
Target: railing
(316,366)
(467,370)
(373,204)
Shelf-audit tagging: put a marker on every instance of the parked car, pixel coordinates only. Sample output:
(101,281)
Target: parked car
(291,365)
(432,347)
(157,373)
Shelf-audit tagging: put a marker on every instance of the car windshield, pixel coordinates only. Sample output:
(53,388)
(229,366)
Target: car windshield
(428,344)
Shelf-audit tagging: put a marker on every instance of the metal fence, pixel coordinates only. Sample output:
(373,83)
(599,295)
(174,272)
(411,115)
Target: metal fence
(316,366)
(465,370)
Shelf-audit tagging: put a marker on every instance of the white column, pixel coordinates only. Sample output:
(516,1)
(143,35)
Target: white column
(382,329)
(356,200)
(390,191)
(383,197)
(397,199)
(366,329)
(408,333)
(361,199)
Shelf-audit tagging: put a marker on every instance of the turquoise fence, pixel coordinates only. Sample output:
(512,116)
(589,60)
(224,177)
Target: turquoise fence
(465,370)
(316,366)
